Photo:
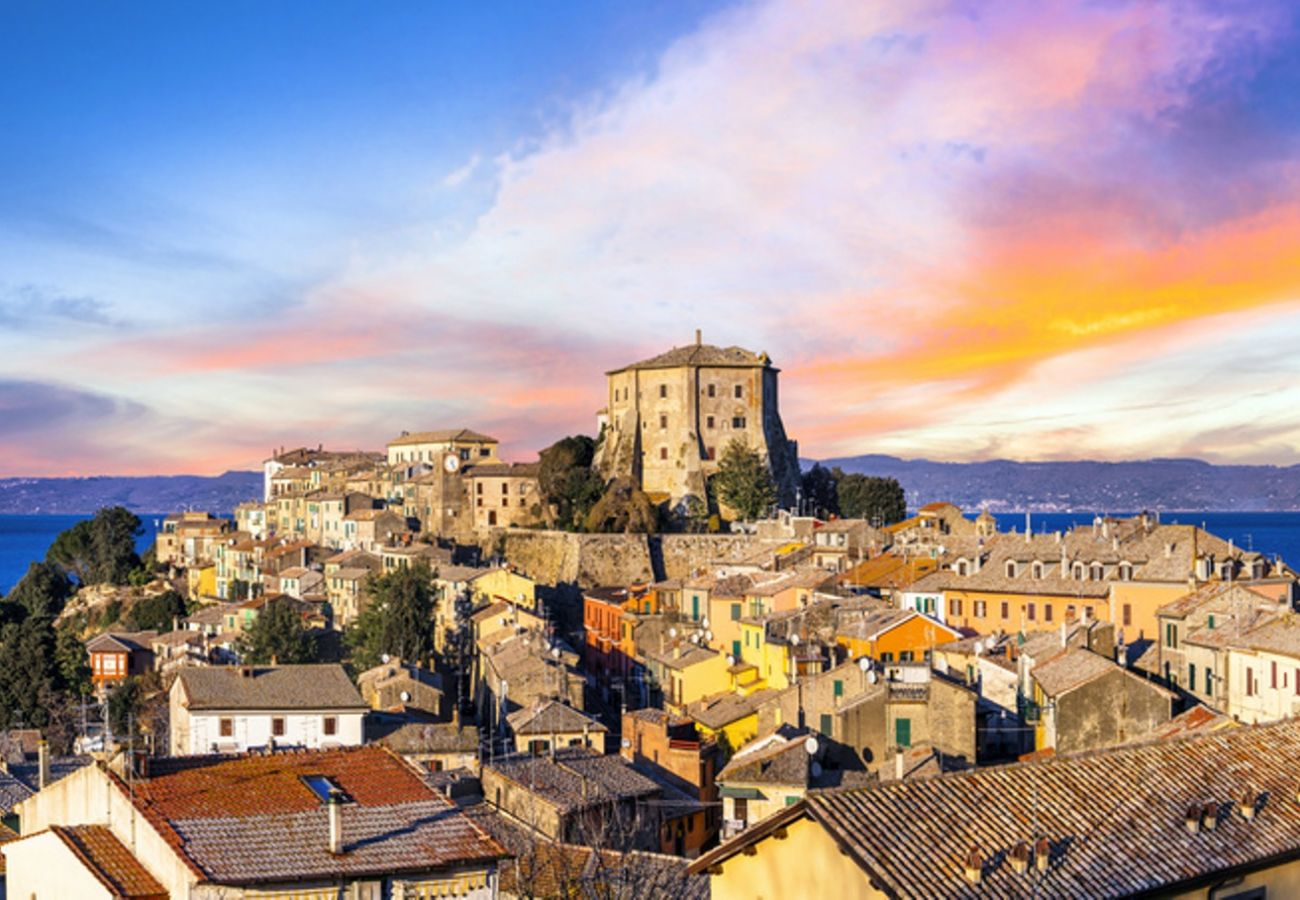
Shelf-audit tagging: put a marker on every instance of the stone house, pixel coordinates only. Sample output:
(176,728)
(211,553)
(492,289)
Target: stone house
(1084,701)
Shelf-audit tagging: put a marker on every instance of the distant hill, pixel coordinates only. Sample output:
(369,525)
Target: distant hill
(1158,484)
(150,493)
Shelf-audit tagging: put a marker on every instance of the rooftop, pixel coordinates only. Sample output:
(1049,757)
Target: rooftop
(110,861)
(700,355)
(269,688)
(443,436)
(576,778)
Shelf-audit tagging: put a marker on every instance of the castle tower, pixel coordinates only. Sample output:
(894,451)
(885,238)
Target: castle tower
(670,418)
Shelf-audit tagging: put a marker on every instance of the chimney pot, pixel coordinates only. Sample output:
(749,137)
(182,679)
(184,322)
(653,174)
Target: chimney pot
(1043,854)
(1209,816)
(974,865)
(699,338)
(335,806)
(43,763)
(1020,857)
(1247,805)
(1193,819)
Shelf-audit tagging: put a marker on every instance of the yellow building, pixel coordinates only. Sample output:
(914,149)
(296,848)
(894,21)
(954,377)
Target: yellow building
(201,580)
(939,837)
(503,585)
(449,448)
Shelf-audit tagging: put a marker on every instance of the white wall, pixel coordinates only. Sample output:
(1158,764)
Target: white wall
(42,866)
(195,732)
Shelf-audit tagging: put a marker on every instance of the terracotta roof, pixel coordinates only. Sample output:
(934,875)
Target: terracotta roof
(444,436)
(253,819)
(1116,819)
(719,710)
(700,355)
(270,687)
(109,861)
(1200,719)
(778,758)
(121,641)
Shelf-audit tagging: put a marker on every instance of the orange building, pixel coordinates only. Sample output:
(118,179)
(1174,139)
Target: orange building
(608,618)
(893,635)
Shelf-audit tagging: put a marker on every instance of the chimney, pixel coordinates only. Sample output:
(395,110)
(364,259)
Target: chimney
(1020,857)
(974,865)
(1043,854)
(1209,816)
(335,806)
(43,763)
(1193,819)
(1247,805)
(586,734)
(699,338)
(899,765)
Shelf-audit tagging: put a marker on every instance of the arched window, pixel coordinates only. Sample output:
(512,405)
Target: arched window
(1077,571)
(1038,570)
(1125,571)
(961,567)
(1011,568)
(1098,572)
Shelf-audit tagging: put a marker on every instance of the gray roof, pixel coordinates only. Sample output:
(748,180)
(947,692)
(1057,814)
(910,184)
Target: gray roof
(269,688)
(700,355)
(576,778)
(551,716)
(24,779)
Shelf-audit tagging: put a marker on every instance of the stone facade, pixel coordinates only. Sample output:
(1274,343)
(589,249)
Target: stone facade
(670,418)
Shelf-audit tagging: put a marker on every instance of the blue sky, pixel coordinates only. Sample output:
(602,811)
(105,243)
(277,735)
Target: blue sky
(962,230)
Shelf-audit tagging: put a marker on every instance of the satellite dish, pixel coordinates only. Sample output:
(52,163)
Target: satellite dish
(555,652)
(731,660)
(705,622)
(794,640)
(810,744)
(406,696)
(708,635)
(695,639)
(865,664)
(384,659)
(816,769)
(626,743)
(672,632)
(872,676)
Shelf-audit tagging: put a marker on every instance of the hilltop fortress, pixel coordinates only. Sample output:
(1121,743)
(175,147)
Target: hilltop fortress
(670,418)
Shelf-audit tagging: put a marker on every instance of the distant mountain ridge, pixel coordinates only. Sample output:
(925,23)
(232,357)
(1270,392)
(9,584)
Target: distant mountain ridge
(148,493)
(1002,485)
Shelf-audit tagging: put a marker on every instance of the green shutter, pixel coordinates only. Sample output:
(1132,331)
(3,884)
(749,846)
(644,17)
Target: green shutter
(735,649)
(735,612)
(839,688)
(903,732)
(826,724)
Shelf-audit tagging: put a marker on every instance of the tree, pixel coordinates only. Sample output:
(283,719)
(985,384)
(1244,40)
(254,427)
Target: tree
(568,482)
(399,619)
(28,676)
(880,501)
(277,634)
(100,550)
(743,481)
(72,661)
(157,613)
(820,490)
(112,540)
(624,509)
(43,591)
(124,704)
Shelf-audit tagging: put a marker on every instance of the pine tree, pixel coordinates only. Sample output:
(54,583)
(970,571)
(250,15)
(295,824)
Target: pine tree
(743,481)
(399,619)
(278,634)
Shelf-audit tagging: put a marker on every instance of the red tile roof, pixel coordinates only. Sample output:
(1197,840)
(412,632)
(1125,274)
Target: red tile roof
(109,861)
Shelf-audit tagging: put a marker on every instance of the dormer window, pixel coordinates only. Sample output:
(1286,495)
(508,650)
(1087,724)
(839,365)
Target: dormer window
(1098,572)
(1011,568)
(1037,570)
(962,567)
(1125,571)
(1077,571)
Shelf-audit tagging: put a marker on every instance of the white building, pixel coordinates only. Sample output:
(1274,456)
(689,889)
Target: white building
(232,709)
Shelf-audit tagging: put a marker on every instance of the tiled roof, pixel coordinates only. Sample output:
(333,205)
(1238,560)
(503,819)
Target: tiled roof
(110,861)
(718,710)
(777,759)
(699,355)
(121,641)
(23,779)
(1200,719)
(270,688)
(1071,668)
(575,778)
(417,737)
(442,436)
(1281,636)
(551,716)
(251,819)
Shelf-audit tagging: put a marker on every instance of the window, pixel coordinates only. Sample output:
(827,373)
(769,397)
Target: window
(1209,682)
(740,392)
(826,724)
(1128,613)
(331,725)
(1098,572)
(905,656)
(663,391)
(1171,633)
(1125,572)
(1011,568)
(903,732)
(981,609)
(1006,610)
(1297,681)
(1250,682)
(227,728)
(663,452)
(741,808)
(663,421)
(1209,622)
(735,612)
(713,390)
(710,453)
(961,567)
(954,607)
(478,488)
(277,726)
(886,657)
(505,487)
(321,785)
(839,688)
(738,422)
(1047,612)
(1029,611)
(708,421)
(1191,676)
(1037,570)
(1272,681)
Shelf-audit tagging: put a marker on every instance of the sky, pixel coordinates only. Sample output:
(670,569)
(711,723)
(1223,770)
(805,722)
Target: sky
(963,230)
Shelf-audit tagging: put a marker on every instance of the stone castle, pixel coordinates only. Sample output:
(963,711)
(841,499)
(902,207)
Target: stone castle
(670,418)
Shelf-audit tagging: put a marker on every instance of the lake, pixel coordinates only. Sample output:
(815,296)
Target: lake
(24,540)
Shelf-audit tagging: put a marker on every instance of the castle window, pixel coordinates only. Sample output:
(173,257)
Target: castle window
(710,453)
(713,390)
(708,422)
(738,422)
(663,421)
(663,391)
(505,487)
(1011,568)
(740,392)
(663,452)
(1038,570)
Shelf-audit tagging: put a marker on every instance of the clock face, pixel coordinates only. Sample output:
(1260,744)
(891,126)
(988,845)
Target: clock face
(451,462)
